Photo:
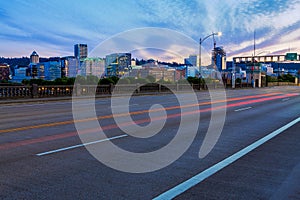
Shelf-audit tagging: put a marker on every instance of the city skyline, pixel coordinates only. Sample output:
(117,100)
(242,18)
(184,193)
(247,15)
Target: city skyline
(52,28)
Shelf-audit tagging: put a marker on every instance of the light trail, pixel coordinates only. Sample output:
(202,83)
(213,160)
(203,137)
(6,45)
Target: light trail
(131,113)
(113,126)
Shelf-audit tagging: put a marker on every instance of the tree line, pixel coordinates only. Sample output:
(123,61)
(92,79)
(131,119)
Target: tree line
(94,80)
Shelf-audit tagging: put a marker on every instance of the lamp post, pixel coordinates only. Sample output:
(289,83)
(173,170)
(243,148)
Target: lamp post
(263,77)
(200,44)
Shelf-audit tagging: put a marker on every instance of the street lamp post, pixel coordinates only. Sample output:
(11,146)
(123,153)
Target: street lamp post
(200,44)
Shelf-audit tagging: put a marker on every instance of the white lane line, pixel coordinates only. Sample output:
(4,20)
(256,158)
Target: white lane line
(184,186)
(286,99)
(80,145)
(242,109)
(122,106)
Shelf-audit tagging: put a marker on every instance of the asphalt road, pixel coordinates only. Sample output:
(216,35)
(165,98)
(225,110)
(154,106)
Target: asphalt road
(42,156)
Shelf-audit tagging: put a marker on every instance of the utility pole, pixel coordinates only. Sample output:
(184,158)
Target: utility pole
(254,38)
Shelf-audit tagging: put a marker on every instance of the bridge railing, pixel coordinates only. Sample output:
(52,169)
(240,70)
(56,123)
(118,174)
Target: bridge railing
(52,91)
(271,84)
(43,91)
(15,92)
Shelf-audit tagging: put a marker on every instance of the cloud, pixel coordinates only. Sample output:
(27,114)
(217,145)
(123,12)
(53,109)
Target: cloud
(60,24)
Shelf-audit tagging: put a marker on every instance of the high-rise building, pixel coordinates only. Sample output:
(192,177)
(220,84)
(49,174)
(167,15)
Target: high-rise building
(192,60)
(34,57)
(219,58)
(33,70)
(93,66)
(80,51)
(34,60)
(117,64)
(69,66)
(50,70)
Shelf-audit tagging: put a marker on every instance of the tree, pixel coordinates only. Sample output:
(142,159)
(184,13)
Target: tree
(115,79)
(124,81)
(182,81)
(92,80)
(58,81)
(151,79)
(193,80)
(25,82)
(36,81)
(71,81)
(105,81)
(162,81)
(271,79)
(141,81)
(80,80)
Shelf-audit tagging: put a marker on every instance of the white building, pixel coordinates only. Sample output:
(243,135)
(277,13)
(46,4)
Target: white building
(93,66)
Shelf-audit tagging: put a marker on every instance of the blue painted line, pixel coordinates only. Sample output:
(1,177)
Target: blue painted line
(181,188)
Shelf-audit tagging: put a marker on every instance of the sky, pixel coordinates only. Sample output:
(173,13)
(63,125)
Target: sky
(52,27)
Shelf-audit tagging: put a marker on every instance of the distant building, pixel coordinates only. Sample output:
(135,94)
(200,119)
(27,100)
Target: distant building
(180,73)
(280,63)
(48,70)
(69,66)
(21,72)
(4,72)
(285,66)
(117,64)
(163,74)
(133,62)
(159,73)
(192,60)
(52,70)
(267,68)
(93,66)
(192,71)
(80,51)
(33,70)
(219,58)
(34,58)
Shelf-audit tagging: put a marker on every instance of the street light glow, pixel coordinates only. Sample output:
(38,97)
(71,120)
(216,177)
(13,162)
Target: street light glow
(200,43)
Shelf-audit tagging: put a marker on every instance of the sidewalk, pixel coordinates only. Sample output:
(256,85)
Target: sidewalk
(46,99)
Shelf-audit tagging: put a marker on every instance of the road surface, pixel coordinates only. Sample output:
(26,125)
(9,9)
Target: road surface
(257,155)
